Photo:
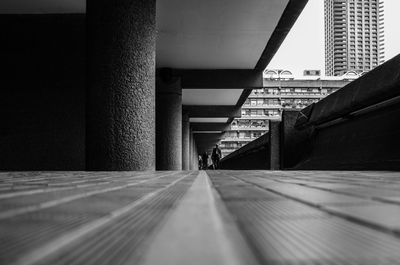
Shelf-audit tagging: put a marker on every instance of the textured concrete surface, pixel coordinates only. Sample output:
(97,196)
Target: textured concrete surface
(274,150)
(380,84)
(168,121)
(121,85)
(365,142)
(233,217)
(262,153)
(295,144)
(42,95)
(185,141)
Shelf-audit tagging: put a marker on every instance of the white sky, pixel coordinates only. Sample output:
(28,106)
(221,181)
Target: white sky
(304,46)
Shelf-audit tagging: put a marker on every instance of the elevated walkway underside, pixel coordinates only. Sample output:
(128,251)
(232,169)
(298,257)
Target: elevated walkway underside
(206,217)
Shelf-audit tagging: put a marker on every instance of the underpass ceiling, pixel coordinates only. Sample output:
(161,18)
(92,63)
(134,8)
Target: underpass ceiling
(211,96)
(210,34)
(42,6)
(194,34)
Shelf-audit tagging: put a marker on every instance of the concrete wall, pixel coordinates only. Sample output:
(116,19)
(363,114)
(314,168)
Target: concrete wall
(366,142)
(356,128)
(295,144)
(256,159)
(254,155)
(42,95)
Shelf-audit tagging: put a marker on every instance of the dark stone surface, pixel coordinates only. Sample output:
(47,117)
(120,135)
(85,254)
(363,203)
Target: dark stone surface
(210,126)
(355,128)
(185,142)
(191,139)
(262,153)
(42,95)
(376,86)
(121,85)
(168,122)
(193,152)
(365,142)
(255,159)
(295,144)
(196,157)
(274,145)
(254,155)
(220,78)
(212,111)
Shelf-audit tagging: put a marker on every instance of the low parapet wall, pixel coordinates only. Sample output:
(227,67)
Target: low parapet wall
(262,153)
(355,128)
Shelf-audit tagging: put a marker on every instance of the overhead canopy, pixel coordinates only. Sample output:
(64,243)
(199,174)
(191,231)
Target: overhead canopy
(219,48)
(42,6)
(210,34)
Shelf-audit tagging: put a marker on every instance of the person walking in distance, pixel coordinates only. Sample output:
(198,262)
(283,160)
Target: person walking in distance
(216,156)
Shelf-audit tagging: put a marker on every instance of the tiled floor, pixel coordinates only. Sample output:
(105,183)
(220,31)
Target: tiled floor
(213,217)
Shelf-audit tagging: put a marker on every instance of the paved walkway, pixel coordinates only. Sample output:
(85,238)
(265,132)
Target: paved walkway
(207,217)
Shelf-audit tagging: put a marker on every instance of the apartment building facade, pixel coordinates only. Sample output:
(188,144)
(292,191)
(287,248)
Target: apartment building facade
(354,36)
(280,91)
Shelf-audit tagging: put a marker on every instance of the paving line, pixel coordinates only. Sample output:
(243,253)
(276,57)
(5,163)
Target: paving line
(49,204)
(64,240)
(354,219)
(114,247)
(46,190)
(309,243)
(199,232)
(356,195)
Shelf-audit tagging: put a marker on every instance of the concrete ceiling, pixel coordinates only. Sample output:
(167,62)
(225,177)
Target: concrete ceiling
(42,6)
(214,34)
(202,35)
(211,96)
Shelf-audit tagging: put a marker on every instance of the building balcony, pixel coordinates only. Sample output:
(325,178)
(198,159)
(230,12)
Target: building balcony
(264,106)
(261,117)
(247,128)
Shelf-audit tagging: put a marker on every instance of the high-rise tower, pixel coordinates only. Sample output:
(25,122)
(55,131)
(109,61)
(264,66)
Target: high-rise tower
(354,35)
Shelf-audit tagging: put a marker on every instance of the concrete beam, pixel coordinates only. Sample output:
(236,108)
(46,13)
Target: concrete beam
(245,94)
(287,20)
(210,111)
(274,145)
(209,126)
(220,78)
(207,137)
(168,122)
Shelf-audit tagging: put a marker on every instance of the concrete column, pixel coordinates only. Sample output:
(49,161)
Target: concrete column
(185,141)
(168,121)
(274,145)
(191,151)
(196,157)
(120,117)
(296,144)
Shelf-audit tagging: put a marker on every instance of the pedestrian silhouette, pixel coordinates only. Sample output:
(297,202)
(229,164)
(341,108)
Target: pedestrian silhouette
(216,156)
